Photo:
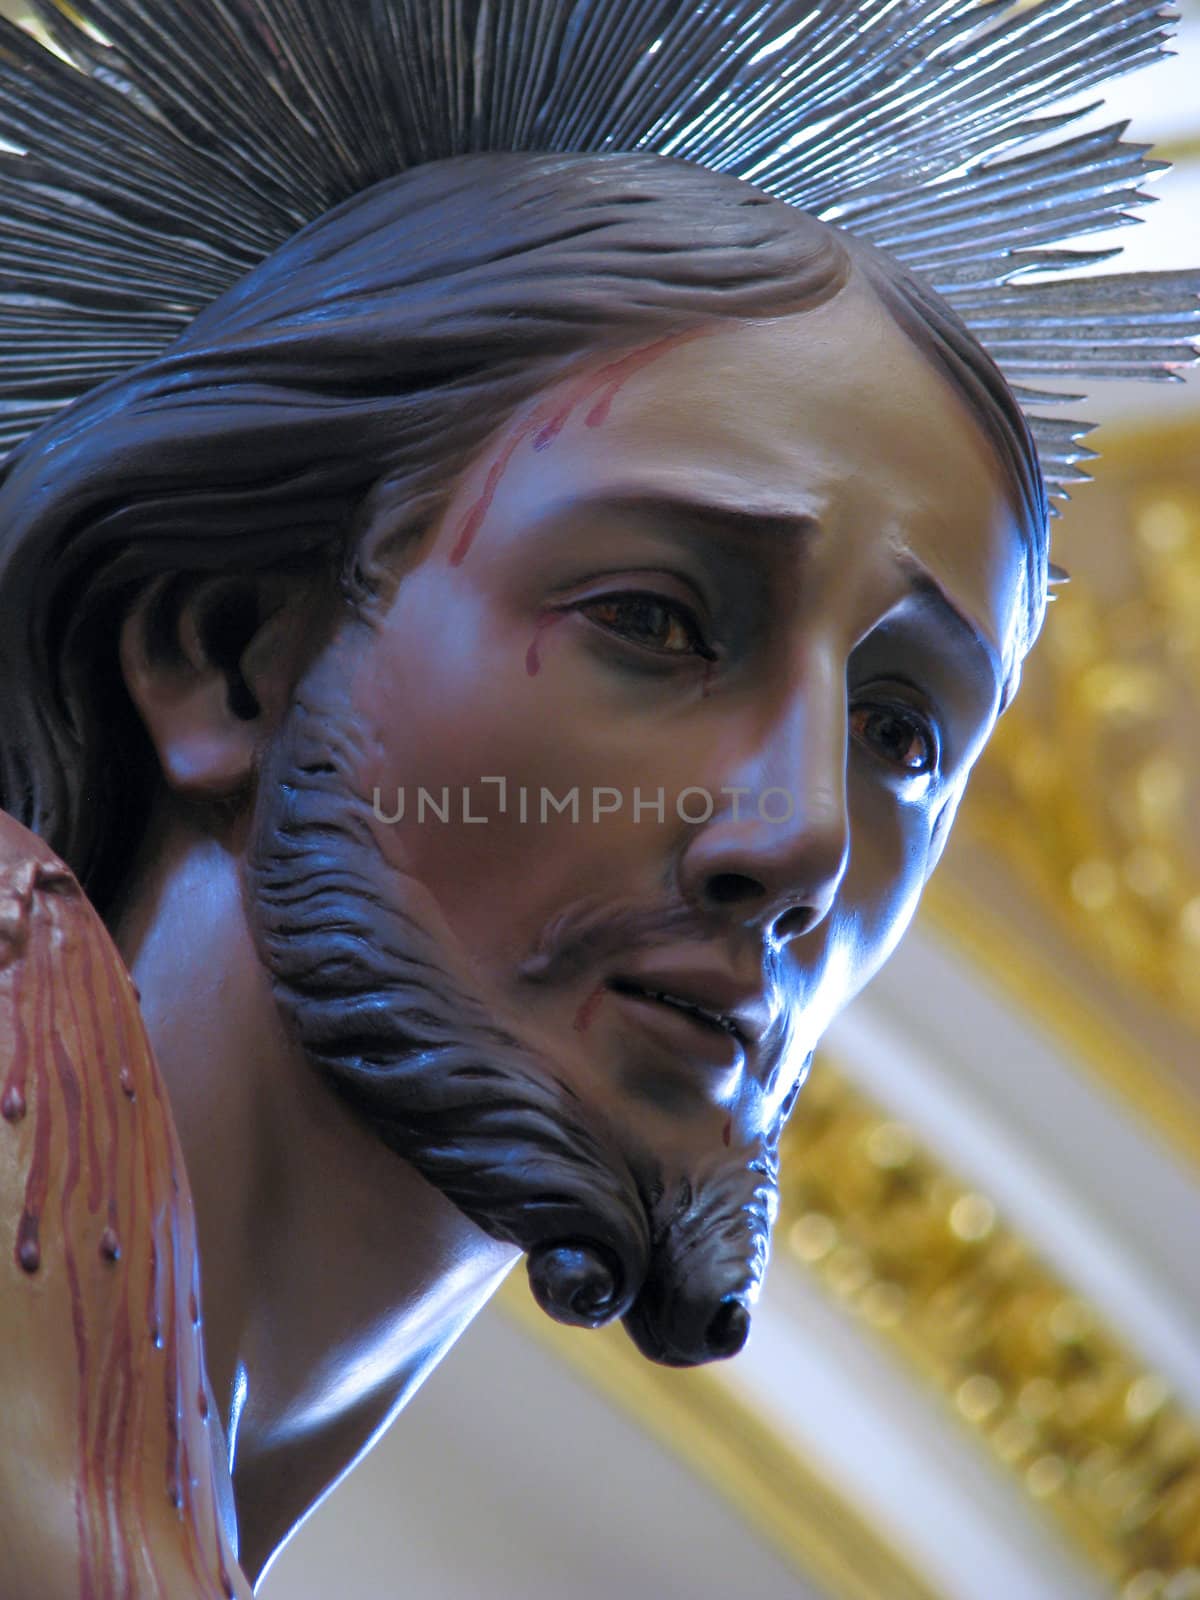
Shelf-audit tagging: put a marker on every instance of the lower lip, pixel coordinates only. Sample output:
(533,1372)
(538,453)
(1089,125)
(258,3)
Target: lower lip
(685,1035)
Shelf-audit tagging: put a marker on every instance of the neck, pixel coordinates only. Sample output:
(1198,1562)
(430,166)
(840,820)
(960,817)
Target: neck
(334,1277)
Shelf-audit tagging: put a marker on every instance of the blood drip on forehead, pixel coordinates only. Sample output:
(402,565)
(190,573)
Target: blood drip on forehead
(551,416)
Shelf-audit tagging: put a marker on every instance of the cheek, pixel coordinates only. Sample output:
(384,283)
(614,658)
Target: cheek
(498,856)
(889,863)
(942,824)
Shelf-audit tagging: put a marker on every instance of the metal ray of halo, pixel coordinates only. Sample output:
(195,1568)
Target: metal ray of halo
(152,153)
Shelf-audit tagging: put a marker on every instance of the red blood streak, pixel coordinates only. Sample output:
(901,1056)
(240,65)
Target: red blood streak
(136,1412)
(533,661)
(546,435)
(174,1463)
(105,1460)
(153,1314)
(13,1103)
(131,1378)
(130,1408)
(29,1253)
(177,1360)
(613,378)
(75,1103)
(110,1097)
(546,425)
(92,1108)
(474,518)
(69,1085)
(202,1405)
(598,414)
(727,1133)
(153,1319)
(587,1010)
(141,1391)
(110,1447)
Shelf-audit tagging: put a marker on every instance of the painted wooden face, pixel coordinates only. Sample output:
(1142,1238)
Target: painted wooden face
(668,716)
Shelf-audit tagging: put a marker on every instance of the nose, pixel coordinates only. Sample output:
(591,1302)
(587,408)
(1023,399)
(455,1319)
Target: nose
(776,846)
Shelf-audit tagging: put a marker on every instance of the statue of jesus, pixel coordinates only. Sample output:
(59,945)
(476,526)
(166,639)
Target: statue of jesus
(480,701)
(502,679)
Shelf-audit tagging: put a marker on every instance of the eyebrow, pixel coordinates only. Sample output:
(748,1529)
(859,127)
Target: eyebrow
(730,518)
(929,591)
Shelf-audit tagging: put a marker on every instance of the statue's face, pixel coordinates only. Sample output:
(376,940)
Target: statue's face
(773,564)
(679,697)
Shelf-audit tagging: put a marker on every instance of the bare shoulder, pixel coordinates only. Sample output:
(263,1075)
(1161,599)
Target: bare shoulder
(107,1482)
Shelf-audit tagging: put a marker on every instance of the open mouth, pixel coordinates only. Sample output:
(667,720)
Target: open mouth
(710,1019)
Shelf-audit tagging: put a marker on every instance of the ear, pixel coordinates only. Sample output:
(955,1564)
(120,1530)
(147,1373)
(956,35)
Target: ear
(210,664)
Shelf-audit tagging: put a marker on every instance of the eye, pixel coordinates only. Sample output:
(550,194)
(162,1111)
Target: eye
(652,621)
(898,735)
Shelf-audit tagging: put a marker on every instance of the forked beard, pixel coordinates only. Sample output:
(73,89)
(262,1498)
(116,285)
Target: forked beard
(376,1003)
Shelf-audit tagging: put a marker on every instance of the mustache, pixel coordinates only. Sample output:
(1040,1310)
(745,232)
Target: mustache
(384,1010)
(592,931)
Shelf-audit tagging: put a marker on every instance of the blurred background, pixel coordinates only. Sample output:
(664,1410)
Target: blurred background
(975,1374)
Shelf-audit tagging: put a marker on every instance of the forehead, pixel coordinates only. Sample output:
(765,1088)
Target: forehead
(831,414)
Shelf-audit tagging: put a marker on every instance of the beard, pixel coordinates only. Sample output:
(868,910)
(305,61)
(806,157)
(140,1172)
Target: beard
(383,1006)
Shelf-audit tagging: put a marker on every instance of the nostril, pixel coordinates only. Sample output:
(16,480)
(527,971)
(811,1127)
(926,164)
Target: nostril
(793,923)
(728,1330)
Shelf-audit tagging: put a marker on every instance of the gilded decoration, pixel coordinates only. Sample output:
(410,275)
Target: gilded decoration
(925,1259)
(1083,822)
